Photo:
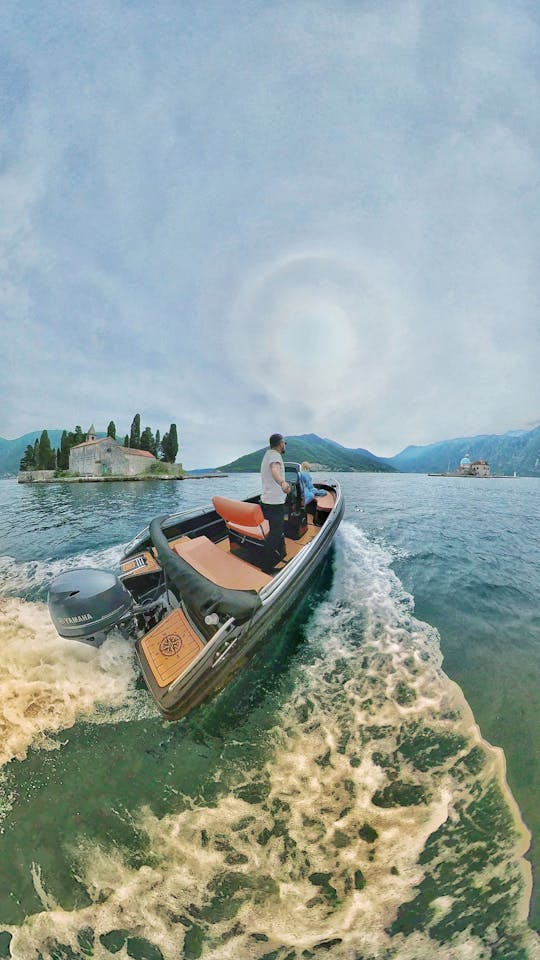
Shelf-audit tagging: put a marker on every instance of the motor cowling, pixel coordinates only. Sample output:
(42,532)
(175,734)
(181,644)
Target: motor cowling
(85,604)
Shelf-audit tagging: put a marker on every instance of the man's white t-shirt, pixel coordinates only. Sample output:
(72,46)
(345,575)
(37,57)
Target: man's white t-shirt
(271,491)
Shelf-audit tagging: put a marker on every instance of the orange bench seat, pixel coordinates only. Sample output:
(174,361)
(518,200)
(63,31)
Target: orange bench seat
(243,519)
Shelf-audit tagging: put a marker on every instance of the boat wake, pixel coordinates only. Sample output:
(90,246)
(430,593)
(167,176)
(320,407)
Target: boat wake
(48,684)
(378,823)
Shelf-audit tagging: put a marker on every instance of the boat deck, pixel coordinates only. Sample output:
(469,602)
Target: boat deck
(170,647)
(188,655)
(174,643)
(232,570)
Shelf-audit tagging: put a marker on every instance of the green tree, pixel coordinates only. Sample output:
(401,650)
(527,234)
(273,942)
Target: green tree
(111,430)
(28,461)
(126,441)
(169,445)
(173,442)
(69,440)
(164,447)
(63,457)
(135,434)
(147,440)
(157,445)
(36,453)
(47,456)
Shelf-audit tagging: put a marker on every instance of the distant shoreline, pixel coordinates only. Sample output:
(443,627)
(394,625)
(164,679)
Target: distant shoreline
(110,479)
(468,476)
(122,479)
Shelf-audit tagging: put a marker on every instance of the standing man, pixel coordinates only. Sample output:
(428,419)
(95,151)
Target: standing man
(274,490)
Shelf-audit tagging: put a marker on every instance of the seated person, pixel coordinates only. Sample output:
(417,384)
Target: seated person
(306,484)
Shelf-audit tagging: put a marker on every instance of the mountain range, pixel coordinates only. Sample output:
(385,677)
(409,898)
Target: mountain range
(517,451)
(310,447)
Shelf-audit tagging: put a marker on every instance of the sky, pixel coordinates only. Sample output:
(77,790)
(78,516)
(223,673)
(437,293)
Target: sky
(250,217)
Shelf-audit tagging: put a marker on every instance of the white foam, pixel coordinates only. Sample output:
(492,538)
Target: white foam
(48,683)
(318,819)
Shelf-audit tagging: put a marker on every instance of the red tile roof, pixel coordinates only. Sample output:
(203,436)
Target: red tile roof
(92,443)
(138,453)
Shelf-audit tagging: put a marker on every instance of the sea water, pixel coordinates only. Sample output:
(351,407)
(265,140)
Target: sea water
(367,788)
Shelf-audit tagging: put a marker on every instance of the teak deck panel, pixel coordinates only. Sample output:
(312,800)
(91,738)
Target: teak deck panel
(170,647)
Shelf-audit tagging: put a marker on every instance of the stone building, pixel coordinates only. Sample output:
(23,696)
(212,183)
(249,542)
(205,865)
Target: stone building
(476,468)
(98,458)
(480,468)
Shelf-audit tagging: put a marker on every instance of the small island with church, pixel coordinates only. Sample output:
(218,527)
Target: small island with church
(92,458)
(467,468)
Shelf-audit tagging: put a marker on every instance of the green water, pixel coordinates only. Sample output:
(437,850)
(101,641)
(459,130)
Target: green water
(337,799)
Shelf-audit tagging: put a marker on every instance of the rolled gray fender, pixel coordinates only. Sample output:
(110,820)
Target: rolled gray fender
(196,590)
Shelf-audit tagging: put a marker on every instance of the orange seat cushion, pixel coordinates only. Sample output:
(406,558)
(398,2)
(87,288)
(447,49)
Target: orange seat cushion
(254,533)
(221,568)
(237,511)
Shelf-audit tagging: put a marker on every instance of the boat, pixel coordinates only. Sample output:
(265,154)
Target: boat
(191,592)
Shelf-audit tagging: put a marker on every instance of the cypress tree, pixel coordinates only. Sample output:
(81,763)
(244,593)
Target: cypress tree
(157,445)
(135,435)
(28,459)
(126,441)
(169,445)
(64,451)
(78,436)
(36,454)
(165,448)
(111,430)
(147,440)
(173,443)
(45,452)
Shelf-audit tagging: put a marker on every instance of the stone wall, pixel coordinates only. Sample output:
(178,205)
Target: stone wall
(29,476)
(135,464)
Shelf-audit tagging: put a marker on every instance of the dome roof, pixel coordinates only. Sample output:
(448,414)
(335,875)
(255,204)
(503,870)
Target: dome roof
(465,461)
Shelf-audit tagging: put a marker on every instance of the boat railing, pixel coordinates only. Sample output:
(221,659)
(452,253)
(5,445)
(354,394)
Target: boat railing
(172,520)
(208,651)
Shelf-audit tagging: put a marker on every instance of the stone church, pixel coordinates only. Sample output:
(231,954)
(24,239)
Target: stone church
(98,458)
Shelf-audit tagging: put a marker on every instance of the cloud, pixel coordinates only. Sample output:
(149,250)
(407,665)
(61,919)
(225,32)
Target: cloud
(248,217)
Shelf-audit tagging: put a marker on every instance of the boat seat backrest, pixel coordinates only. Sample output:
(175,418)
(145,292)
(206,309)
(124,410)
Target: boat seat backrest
(244,519)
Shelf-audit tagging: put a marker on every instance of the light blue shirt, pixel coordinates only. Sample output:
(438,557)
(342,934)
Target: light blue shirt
(308,489)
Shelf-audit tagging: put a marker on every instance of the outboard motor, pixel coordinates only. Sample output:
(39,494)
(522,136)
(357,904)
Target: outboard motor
(86,604)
